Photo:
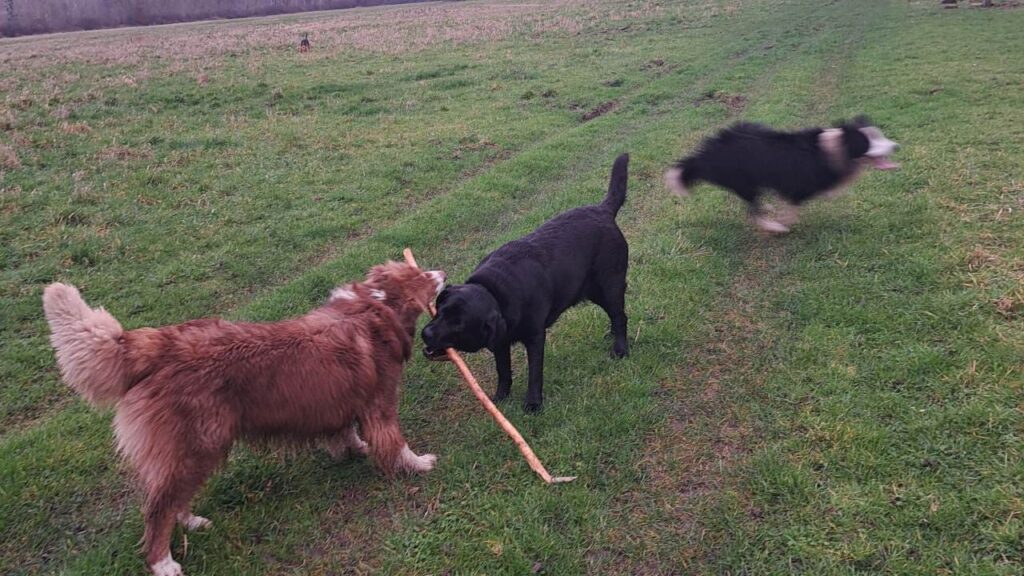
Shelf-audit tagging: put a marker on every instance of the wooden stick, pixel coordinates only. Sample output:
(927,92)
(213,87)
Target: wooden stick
(507,426)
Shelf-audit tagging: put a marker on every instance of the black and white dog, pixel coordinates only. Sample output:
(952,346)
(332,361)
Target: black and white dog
(750,159)
(521,289)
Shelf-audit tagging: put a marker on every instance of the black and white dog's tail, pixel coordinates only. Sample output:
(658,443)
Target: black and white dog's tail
(616,196)
(680,177)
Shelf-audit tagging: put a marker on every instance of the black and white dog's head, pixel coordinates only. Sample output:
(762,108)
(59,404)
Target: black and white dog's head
(468,319)
(859,141)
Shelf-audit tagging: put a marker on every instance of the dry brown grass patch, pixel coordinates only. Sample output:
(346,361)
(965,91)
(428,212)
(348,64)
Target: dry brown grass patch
(7,119)
(75,128)
(8,157)
(124,153)
(979,258)
(1011,305)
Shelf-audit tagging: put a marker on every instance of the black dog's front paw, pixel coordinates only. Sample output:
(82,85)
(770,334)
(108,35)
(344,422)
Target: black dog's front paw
(499,396)
(620,351)
(532,406)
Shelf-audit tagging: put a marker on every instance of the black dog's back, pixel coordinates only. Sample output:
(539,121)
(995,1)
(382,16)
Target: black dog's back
(554,265)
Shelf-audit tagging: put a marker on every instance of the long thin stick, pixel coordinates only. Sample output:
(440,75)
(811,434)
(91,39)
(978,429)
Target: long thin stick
(507,426)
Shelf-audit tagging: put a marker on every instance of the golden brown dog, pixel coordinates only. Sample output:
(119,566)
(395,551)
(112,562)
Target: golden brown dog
(185,393)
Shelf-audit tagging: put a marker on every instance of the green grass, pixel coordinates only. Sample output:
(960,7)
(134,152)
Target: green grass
(844,399)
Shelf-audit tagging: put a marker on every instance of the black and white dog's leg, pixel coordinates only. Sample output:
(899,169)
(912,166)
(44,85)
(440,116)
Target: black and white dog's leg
(761,219)
(535,358)
(788,213)
(503,363)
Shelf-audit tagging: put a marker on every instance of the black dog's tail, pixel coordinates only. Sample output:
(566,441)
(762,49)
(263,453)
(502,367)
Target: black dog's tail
(616,196)
(680,177)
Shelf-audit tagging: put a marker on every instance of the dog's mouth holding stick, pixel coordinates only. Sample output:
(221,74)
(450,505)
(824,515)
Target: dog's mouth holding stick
(507,426)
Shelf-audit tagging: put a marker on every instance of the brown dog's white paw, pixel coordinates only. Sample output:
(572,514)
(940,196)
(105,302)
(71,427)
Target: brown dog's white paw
(166,567)
(192,522)
(410,462)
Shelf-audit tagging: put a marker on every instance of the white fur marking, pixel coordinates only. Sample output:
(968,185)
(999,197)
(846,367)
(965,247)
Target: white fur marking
(356,443)
(192,522)
(343,293)
(347,443)
(439,278)
(769,225)
(878,145)
(831,142)
(413,463)
(167,567)
(378,294)
(674,182)
(788,214)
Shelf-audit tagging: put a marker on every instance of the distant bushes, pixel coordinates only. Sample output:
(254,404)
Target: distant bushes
(19,17)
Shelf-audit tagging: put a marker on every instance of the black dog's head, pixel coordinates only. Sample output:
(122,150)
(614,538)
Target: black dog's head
(468,319)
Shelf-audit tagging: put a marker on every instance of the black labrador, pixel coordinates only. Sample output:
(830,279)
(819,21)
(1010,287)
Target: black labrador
(521,289)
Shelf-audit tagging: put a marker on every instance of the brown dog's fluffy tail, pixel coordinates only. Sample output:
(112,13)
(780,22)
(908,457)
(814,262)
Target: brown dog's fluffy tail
(89,344)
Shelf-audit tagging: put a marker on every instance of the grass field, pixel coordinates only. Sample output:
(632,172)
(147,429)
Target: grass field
(844,399)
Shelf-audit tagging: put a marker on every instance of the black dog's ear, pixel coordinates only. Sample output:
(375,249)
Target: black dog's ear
(494,329)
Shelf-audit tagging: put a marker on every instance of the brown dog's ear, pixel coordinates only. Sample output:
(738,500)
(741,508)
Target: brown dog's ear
(443,296)
(380,273)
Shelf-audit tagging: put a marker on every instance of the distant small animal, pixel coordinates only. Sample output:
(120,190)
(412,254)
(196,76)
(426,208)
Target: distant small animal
(184,393)
(750,159)
(304,43)
(518,291)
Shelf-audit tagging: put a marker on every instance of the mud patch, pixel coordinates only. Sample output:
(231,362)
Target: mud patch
(735,103)
(599,110)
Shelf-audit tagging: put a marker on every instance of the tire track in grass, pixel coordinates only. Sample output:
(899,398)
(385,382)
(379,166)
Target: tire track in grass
(687,467)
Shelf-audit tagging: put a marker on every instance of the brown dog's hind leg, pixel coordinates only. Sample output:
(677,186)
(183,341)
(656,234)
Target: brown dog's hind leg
(347,443)
(388,447)
(160,511)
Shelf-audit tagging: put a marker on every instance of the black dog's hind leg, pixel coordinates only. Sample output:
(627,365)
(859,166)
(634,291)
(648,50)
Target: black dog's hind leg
(611,296)
(617,314)
(535,358)
(503,363)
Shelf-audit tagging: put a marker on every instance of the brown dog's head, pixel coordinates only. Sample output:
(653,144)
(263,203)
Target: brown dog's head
(405,289)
